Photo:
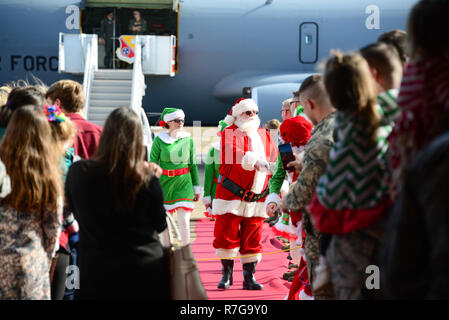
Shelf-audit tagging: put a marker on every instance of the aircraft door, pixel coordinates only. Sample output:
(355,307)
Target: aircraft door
(73,51)
(308,42)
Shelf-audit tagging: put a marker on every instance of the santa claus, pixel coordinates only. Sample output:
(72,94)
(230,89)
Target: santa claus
(245,155)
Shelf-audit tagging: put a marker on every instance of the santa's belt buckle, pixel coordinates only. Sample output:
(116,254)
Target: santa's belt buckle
(171,173)
(247,192)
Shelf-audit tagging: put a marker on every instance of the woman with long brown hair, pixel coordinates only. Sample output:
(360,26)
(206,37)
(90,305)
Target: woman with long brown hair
(31,214)
(118,203)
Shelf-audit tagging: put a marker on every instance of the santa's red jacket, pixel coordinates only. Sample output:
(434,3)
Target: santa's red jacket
(239,152)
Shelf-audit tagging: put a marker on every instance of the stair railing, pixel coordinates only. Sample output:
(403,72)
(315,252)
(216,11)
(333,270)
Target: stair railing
(90,66)
(137,92)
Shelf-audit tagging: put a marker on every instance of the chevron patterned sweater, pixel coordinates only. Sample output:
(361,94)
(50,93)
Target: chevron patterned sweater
(353,191)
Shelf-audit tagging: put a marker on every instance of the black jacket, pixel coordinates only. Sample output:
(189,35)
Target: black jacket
(107,28)
(415,260)
(120,254)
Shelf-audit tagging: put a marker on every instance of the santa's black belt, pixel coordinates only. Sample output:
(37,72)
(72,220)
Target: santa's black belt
(243,194)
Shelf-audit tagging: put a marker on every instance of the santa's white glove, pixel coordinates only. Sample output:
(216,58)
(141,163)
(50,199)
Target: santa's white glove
(207,201)
(262,165)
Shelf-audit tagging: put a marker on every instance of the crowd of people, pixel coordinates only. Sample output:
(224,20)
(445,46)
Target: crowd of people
(364,185)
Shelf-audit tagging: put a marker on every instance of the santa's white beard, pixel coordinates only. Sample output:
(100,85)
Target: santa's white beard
(248,124)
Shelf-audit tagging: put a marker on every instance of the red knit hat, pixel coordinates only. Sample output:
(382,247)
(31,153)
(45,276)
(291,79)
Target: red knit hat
(296,131)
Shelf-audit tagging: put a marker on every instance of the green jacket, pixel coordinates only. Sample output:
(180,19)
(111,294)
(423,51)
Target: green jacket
(171,154)
(143,24)
(211,172)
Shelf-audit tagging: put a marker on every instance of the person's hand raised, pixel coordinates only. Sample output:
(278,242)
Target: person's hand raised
(297,164)
(271,208)
(155,168)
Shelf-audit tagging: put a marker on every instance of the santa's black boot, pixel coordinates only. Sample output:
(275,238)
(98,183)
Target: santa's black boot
(249,282)
(227,269)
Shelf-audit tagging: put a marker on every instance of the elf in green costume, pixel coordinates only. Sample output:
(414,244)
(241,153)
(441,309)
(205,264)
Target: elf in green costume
(211,172)
(173,150)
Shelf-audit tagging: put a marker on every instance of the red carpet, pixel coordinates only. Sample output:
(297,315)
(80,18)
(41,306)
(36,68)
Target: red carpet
(268,272)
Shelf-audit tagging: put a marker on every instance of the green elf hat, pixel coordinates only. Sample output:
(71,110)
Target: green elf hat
(170,114)
(221,126)
(299,109)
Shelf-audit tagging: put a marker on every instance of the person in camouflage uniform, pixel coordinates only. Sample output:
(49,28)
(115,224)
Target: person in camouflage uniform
(317,107)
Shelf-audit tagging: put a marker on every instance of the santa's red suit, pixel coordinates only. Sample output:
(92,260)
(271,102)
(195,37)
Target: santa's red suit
(245,154)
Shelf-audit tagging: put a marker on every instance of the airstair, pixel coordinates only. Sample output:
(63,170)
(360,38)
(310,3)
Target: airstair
(107,89)
(110,89)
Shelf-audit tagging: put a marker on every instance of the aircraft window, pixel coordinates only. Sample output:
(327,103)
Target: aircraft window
(308,39)
(308,42)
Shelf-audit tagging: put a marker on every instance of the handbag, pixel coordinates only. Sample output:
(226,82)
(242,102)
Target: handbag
(185,281)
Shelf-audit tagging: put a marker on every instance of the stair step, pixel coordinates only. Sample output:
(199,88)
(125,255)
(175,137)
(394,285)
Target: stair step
(110,96)
(98,110)
(100,123)
(98,117)
(112,83)
(113,74)
(101,109)
(109,89)
(109,103)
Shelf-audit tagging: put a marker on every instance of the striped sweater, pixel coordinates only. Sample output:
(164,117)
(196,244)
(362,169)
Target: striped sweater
(424,111)
(353,191)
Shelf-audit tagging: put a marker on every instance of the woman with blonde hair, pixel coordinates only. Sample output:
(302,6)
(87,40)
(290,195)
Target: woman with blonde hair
(352,195)
(31,214)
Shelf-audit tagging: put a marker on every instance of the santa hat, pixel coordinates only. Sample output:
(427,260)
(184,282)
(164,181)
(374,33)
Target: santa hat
(296,131)
(241,105)
(171,114)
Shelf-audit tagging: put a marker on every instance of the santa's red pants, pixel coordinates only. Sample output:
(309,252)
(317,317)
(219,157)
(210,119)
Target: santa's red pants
(235,234)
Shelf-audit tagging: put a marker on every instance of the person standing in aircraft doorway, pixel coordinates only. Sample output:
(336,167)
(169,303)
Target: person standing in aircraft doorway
(137,25)
(109,32)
